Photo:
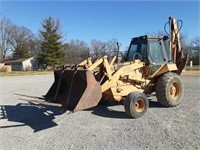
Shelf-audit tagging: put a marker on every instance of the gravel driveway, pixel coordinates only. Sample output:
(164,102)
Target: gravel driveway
(25,126)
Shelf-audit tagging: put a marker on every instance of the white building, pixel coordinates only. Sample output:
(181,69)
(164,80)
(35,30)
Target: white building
(23,64)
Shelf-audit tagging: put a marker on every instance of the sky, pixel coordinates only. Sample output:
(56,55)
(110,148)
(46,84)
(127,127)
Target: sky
(104,20)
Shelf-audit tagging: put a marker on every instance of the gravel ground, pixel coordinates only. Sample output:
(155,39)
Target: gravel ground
(28,126)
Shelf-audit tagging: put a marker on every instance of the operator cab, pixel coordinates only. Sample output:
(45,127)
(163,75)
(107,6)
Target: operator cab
(152,50)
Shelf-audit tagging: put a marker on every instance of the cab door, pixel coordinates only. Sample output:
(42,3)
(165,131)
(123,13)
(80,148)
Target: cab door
(157,55)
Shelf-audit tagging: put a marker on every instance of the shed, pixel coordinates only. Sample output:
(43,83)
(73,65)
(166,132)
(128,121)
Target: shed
(22,64)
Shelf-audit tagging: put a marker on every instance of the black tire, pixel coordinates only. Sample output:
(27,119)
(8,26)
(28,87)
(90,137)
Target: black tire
(136,104)
(169,89)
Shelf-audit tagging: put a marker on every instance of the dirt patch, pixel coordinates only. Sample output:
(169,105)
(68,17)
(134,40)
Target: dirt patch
(195,73)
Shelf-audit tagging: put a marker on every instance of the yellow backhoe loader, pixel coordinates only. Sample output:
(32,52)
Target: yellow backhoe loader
(152,64)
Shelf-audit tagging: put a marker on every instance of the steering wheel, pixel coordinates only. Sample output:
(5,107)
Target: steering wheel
(137,54)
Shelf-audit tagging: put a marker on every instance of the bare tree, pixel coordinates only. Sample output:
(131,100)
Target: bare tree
(22,42)
(81,48)
(112,48)
(6,41)
(98,48)
(77,51)
(195,50)
(108,48)
(16,40)
(184,40)
(196,43)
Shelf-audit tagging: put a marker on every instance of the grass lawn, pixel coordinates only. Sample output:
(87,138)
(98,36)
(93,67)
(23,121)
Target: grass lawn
(195,73)
(194,67)
(21,73)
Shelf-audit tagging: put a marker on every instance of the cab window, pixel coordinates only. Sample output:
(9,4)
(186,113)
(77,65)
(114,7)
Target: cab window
(140,48)
(155,51)
(132,51)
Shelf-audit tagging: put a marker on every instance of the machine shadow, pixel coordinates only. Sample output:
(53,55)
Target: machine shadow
(103,110)
(40,117)
(37,117)
(155,104)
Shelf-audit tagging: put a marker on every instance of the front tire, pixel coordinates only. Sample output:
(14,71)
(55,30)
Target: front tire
(136,104)
(169,89)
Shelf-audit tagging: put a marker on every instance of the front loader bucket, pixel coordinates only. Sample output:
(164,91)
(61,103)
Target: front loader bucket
(75,90)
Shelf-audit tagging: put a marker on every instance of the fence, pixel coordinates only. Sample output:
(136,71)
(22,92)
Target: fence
(6,68)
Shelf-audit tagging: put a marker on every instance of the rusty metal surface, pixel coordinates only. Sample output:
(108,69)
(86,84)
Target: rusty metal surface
(28,96)
(91,95)
(41,102)
(75,90)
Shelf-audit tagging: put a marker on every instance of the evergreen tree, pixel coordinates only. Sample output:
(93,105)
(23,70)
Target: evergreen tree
(52,51)
(22,49)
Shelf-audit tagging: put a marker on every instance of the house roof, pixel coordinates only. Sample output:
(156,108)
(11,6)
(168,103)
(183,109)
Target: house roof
(15,60)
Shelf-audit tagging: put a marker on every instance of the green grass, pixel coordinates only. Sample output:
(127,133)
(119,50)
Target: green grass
(194,67)
(22,73)
(195,73)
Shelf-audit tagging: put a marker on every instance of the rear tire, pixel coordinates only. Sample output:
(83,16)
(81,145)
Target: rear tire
(136,104)
(169,89)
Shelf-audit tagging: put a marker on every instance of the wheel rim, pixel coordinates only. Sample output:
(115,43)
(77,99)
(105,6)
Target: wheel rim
(139,105)
(174,90)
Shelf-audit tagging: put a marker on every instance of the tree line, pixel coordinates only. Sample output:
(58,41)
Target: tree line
(50,49)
